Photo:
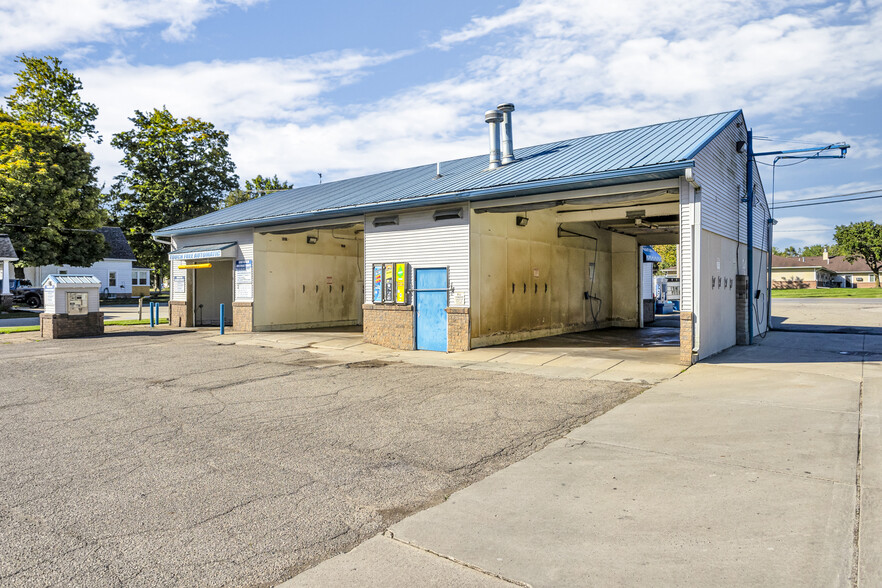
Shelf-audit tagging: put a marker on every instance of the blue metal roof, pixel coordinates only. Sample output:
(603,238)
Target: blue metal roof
(653,152)
(650,254)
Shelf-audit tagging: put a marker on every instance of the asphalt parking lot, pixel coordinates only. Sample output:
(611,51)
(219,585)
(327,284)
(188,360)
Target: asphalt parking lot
(161,458)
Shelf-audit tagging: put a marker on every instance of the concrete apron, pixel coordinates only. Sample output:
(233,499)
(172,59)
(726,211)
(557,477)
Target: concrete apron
(741,471)
(548,358)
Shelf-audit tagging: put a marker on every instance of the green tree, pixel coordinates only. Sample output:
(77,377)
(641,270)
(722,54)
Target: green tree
(175,170)
(255,188)
(818,250)
(862,240)
(49,201)
(668,254)
(48,94)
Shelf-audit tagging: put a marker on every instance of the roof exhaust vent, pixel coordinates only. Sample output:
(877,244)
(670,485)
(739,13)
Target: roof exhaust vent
(507,142)
(493,118)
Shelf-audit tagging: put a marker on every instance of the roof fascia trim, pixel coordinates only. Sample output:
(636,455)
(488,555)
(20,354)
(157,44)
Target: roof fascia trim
(557,184)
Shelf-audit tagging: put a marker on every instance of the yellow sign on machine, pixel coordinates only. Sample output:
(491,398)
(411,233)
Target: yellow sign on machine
(400,283)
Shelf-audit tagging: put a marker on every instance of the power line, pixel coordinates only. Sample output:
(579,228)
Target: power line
(829,202)
(833,196)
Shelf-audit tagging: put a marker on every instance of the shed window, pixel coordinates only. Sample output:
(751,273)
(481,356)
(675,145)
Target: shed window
(111,279)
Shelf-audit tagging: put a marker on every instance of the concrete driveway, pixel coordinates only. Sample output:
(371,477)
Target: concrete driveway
(861,316)
(160,458)
(760,467)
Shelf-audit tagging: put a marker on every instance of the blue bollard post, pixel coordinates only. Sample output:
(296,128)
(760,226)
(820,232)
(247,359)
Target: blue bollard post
(222,318)
(157,314)
(151,314)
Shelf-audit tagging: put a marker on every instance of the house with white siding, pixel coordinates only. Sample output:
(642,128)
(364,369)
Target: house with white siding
(520,244)
(116,273)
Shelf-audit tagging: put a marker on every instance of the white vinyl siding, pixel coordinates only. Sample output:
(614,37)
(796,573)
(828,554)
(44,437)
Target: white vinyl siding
(686,248)
(721,173)
(422,242)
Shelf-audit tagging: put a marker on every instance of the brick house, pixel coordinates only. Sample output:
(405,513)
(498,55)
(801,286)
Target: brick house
(820,271)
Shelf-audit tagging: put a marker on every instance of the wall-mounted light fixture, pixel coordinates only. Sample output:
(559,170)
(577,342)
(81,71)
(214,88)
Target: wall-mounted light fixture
(522,221)
(739,146)
(312,239)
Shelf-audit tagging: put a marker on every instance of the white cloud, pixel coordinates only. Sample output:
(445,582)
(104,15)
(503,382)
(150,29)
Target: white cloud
(802,231)
(573,67)
(34,25)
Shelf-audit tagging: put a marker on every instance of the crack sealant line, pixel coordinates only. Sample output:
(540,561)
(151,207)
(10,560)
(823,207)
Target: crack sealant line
(856,544)
(390,535)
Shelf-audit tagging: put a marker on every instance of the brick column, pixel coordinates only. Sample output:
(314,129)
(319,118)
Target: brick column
(741,302)
(686,326)
(242,316)
(180,314)
(458,329)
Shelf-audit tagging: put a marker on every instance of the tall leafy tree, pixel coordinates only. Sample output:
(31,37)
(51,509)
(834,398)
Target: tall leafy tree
(48,94)
(862,240)
(668,254)
(175,169)
(255,188)
(816,250)
(49,201)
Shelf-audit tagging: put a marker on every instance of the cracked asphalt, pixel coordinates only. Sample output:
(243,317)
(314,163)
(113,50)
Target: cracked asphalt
(162,459)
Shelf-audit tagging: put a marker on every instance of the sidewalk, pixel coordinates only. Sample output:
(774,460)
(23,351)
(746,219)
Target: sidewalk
(594,355)
(740,471)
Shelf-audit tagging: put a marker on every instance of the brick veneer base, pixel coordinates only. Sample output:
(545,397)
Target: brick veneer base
(389,325)
(242,316)
(458,329)
(65,326)
(686,326)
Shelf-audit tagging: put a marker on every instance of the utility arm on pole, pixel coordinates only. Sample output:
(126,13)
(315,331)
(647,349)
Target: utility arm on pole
(781,154)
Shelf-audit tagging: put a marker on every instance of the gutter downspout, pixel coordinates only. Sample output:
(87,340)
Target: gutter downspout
(695,236)
(750,237)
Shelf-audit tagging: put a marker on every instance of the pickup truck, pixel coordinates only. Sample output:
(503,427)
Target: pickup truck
(24,293)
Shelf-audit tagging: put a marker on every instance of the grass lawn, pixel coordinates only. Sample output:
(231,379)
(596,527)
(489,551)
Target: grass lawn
(829,293)
(4,330)
(17,314)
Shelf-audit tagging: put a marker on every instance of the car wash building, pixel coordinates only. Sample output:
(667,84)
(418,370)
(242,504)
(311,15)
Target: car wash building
(525,243)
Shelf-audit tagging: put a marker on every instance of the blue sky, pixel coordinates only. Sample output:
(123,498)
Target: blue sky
(349,88)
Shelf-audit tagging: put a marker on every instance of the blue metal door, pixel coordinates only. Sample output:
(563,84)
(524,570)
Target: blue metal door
(430,302)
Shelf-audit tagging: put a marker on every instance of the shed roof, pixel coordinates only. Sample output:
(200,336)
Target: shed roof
(75,279)
(657,151)
(116,241)
(7,251)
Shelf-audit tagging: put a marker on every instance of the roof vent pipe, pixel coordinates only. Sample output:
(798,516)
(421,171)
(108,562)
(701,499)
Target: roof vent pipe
(507,143)
(493,118)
